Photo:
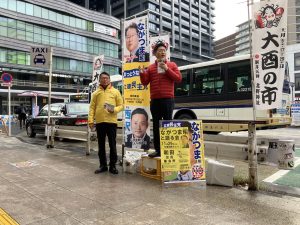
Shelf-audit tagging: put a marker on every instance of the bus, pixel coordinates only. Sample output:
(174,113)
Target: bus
(220,90)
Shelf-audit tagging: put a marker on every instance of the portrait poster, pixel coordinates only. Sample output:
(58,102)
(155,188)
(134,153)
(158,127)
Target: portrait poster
(182,151)
(269,37)
(97,68)
(136,96)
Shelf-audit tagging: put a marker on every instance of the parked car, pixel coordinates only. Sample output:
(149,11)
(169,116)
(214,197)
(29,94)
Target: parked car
(64,114)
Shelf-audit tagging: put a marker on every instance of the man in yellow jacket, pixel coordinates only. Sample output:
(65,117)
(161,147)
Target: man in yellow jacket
(105,104)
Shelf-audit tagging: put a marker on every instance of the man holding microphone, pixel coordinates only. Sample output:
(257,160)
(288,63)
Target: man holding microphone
(161,75)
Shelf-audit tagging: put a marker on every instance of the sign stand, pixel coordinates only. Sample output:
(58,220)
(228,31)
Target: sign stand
(9,112)
(7,81)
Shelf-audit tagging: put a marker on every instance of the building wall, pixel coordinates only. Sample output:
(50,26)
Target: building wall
(69,29)
(189,23)
(225,47)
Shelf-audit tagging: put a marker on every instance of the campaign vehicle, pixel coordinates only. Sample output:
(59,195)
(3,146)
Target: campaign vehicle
(72,115)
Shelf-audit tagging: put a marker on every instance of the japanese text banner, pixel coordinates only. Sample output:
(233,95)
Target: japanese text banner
(269,37)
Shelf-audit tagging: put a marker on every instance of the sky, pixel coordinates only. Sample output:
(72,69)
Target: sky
(229,14)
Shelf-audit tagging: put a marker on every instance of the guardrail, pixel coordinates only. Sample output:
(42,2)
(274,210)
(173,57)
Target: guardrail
(83,133)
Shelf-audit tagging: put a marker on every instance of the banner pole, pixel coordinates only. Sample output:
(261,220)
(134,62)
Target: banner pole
(49,101)
(252,141)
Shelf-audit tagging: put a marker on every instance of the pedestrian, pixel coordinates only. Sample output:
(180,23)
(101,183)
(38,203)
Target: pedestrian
(21,111)
(138,138)
(161,75)
(105,104)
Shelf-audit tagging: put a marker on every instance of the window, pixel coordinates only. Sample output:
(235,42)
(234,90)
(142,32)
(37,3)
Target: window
(29,8)
(45,13)
(297,61)
(183,88)
(21,58)
(3,55)
(208,80)
(239,77)
(21,7)
(3,4)
(11,57)
(12,5)
(37,11)
(297,82)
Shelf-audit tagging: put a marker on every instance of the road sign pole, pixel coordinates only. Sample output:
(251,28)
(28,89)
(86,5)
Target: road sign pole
(49,144)
(9,112)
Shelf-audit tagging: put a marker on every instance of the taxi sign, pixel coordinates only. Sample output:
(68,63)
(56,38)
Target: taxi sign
(40,56)
(6,78)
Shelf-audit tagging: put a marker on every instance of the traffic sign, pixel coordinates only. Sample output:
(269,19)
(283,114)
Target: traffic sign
(6,84)
(6,78)
(40,56)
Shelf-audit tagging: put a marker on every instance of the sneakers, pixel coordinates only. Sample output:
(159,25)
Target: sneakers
(101,169)
(154,154)
(113,170)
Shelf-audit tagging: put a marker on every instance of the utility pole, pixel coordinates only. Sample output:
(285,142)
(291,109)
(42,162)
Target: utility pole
(252,142)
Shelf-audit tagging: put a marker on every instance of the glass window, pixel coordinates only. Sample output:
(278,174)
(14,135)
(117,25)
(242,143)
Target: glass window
(12,5)
(53,41)
(66,64)
(11,23)
(52,33)
(85,68)
(60,42)
(21,7)
(12,57)
(45,32)
(3,21)
(45,39)
(66,43)
(90,49)
(59,18)
(29,27)
(21,34)
(73,45)
(3,4)
(297,81)
(29,9)
(79,46)
(66,36)
(78,23)
(60,64)
(21,25)
(37,38)
(239,77)
(84,24)
(21,57)
(37,29)
(11,32)
(66,20)
(208,80)
(297,61)
(3,55)
(45,13)
(73,65)
(79,66)
(37,11)
(27,58)
(72,21)
(52,15)
(29,36)
(183,88)
(3,31)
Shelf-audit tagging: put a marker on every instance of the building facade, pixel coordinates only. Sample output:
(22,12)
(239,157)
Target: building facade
(76,35)
(225,47)
(190,24)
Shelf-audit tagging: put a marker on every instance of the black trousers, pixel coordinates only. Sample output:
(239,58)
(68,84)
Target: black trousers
(22,118)
(161,109)
(109,130)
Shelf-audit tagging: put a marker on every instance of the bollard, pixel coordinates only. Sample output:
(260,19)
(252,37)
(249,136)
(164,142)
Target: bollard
(286,154)
(272,156)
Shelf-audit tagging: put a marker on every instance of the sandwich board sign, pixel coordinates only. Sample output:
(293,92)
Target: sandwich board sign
(40,56)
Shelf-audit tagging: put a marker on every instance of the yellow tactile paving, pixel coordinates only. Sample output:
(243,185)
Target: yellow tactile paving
(6,219)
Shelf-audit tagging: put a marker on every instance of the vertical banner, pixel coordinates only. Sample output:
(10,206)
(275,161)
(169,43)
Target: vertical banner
(182,151)
(136,95)
(269,37)
(97,67)
(154,40)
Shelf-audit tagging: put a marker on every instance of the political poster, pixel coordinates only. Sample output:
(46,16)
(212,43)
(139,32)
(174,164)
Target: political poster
(136,95)
(97,68)
(182,151)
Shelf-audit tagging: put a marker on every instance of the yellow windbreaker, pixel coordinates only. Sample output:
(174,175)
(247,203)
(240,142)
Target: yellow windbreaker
(97,111)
